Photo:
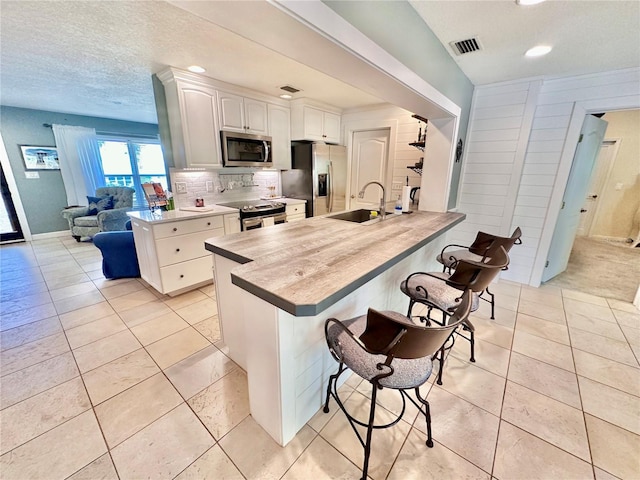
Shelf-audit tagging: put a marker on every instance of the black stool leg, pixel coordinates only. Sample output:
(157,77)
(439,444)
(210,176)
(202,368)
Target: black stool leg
(439,379)
(493,304)
(411,303)
(367,446)
(427,414)
(472,341)
(332,380)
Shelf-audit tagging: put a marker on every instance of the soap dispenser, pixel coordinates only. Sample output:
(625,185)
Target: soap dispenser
(398,208)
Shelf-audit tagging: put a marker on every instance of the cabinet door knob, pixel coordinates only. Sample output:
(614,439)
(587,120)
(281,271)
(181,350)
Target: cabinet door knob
(175,229)
(177,249)
(181,276)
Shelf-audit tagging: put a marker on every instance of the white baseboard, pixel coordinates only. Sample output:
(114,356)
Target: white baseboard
(609,239)
(43,236)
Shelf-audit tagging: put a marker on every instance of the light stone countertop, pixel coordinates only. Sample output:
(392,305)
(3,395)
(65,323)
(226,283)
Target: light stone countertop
(172,215)
(304,267)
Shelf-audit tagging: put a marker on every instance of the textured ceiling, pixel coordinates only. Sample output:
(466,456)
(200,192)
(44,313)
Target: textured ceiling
(96,58)
(587,36)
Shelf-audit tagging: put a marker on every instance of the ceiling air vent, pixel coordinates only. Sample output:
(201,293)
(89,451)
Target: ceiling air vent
(290,89)
(466,46)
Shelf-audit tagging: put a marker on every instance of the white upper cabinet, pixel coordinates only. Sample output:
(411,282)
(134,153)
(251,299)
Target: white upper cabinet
(192,117)
(331,123)
(200,133)
(313,122)
(241,114)
(195,108)
(279,129)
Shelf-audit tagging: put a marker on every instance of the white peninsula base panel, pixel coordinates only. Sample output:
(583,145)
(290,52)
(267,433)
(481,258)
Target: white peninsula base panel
(286,357)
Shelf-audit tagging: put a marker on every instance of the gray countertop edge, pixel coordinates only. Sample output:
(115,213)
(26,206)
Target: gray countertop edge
(314,309)
(227,254)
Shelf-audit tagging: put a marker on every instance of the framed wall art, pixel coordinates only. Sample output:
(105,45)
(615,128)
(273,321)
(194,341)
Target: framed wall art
(40,158)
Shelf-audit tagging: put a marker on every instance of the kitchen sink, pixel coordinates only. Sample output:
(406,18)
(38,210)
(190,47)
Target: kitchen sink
(357,216)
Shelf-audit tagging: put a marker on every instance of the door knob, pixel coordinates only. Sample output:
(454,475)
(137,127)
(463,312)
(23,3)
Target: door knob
(593,196)
(582,210)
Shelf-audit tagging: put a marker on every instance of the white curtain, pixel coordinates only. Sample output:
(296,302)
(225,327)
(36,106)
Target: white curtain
(91,163)
(80,163)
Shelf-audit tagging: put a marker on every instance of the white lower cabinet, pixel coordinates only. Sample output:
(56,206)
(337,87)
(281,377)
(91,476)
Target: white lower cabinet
(231,223)
(295,212)
(171,254)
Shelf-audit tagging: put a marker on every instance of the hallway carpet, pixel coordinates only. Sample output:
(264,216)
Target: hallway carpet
(602,268)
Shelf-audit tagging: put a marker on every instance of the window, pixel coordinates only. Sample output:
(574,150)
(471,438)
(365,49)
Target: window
(132,162)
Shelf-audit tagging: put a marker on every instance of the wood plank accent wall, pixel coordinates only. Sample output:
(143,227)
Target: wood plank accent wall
(499,128)
(517,138)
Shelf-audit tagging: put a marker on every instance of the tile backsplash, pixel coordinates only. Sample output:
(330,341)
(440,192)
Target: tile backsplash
(222,186)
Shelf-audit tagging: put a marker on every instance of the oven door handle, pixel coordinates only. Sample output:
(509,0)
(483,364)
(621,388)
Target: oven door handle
(251,222)
(280,218)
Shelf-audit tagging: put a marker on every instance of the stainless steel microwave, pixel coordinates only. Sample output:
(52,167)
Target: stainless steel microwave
(245,150)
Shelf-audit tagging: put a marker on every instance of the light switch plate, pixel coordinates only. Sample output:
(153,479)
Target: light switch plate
(396,186)
(209,186)
(31,174)
(181,187)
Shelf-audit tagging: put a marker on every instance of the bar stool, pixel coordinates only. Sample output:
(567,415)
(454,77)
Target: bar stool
(482,248)
(389,351)
(442,291)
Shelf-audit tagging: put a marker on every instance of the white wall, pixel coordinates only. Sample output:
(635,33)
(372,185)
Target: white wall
(618,206)
(521,141)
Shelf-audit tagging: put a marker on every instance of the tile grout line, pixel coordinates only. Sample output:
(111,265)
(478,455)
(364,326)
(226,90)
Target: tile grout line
(504,391)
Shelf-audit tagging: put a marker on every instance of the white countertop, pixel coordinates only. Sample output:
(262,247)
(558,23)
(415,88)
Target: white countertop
(173,215)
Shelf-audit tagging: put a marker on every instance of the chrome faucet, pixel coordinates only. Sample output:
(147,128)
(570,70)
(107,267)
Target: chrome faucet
(382,202)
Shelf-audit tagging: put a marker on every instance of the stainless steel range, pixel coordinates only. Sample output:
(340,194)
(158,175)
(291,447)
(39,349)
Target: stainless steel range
(259,213)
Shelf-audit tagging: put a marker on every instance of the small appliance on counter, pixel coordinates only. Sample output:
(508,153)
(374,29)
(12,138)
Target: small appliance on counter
(258,213)
(318,175)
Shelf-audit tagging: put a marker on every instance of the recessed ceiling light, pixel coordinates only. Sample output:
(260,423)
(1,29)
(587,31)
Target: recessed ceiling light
(196,69)
(286,96)
(528,2)
(538,51)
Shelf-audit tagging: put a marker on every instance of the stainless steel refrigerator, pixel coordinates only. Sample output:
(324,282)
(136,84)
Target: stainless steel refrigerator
(318,175)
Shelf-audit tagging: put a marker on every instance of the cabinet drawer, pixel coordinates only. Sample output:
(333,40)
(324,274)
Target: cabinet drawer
(187,274)
(182,227)
(184,247)
(295,209)
(295,218)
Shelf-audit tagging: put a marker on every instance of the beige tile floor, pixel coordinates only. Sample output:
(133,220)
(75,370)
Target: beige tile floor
(109,379)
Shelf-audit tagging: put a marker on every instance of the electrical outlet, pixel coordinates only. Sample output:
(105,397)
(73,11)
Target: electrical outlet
(31,175)
(181,187)
(396,186)
(209,186)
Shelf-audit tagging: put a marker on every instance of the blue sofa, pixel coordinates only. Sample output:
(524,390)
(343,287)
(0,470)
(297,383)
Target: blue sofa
(119,259)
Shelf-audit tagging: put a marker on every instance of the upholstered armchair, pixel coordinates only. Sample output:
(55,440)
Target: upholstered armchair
(84,224)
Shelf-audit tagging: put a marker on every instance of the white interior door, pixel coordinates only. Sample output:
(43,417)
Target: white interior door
(596,189)
(370,152)
(584,159)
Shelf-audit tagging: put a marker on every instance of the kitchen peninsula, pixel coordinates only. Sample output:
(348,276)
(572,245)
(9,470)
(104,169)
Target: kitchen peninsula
(276,286)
